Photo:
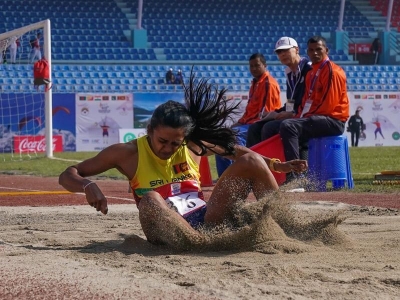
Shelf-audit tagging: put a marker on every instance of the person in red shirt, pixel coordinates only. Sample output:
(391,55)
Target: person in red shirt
(325,105)
(378,128)
(264,97)
(104,128)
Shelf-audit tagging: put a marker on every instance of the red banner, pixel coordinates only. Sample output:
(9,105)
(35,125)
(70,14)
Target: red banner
(36,143)
(359,48)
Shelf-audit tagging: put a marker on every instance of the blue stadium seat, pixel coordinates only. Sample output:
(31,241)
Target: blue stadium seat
(149,87)
(170,87)
(115,88)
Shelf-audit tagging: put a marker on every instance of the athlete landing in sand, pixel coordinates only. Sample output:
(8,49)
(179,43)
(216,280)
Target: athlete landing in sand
(163,169)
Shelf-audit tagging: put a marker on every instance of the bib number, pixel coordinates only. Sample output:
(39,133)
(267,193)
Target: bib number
(185,203)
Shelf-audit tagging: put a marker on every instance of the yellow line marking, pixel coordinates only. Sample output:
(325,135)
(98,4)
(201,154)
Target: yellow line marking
(34,193)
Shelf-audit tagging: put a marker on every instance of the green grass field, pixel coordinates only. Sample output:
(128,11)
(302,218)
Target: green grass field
(365,163)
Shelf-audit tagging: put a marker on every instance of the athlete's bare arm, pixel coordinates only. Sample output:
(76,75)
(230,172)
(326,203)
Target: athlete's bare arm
(285,167)
(123,157)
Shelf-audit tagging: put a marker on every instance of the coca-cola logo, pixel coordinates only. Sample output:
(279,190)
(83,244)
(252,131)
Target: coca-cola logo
(36,143)
(32,145)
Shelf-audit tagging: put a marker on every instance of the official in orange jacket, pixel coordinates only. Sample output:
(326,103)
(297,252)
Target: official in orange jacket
(325,105)
(264,97)
(264,94)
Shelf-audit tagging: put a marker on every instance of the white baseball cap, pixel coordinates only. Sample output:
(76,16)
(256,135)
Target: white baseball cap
(285,43)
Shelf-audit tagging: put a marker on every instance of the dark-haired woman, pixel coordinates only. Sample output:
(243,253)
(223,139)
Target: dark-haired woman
(162,169)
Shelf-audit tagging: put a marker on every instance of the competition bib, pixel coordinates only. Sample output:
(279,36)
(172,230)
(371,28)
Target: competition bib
(185,203)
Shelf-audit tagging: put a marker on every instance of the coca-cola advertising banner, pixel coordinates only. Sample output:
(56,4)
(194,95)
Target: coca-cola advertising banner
(35,143)
(24,115)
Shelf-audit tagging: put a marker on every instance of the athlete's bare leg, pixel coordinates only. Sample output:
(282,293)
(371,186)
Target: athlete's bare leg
(248,172)
(162,225)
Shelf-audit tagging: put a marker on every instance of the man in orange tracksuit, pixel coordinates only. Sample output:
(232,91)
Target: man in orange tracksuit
(264,96)
(325,105)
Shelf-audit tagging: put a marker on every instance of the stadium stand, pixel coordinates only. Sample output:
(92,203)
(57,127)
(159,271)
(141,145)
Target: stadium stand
(92,48)
(88,78)
(209,32)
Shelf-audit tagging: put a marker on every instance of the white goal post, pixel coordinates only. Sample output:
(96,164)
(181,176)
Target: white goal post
(4,43)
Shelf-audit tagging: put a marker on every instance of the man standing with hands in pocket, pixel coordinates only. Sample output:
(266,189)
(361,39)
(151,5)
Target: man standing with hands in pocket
(356,126)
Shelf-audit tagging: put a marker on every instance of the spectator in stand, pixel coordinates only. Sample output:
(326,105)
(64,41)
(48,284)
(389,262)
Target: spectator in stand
(264,97)
(35,51)
(170,77)
(179,77)
(287,50)
(325,106)
(356,126)
(3,49)
(376,49)
(14,44)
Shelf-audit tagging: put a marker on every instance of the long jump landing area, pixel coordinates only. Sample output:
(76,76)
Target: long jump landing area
(23,190)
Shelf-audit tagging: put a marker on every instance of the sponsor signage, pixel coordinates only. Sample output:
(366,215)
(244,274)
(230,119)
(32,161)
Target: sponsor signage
(380,112)
(35,143)
(99,118)
(359,48)
(126,135)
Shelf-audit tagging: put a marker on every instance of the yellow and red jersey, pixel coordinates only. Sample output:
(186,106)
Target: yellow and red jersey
(177,175)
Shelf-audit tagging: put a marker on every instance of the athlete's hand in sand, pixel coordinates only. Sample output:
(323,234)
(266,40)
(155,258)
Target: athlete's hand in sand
(296,165)
(95,198)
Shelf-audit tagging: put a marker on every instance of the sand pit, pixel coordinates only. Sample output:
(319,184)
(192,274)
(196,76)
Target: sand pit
(72,252)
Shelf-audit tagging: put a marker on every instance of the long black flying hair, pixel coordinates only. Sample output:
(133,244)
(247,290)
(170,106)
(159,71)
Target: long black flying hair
(209,110)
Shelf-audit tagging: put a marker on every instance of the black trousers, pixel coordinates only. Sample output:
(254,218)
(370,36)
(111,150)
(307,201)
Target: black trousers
(297,131)
(261,131)
(355,136)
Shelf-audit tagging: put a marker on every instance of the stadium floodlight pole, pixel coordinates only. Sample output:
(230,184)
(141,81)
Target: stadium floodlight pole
(389,15)
(341,15)
(139,15)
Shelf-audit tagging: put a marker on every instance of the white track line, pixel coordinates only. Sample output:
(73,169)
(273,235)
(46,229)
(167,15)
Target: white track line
(112,197)
(29,190)
(18,189)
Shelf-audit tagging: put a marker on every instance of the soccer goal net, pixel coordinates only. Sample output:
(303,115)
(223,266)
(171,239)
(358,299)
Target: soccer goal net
(25,109)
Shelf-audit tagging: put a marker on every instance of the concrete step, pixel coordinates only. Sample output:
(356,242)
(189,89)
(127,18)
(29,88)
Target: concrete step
(128,35)
(161,56)
(377,19)
(359,2)
(372,13)
(125,10)
(158,51)
(365,7)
